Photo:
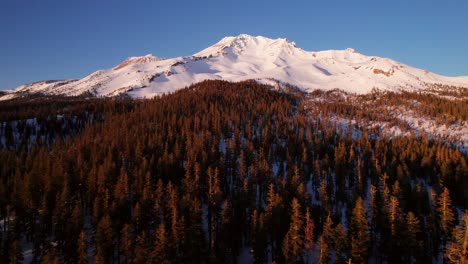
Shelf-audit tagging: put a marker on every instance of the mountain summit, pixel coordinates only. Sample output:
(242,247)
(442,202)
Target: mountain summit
(243,57)
(245,44)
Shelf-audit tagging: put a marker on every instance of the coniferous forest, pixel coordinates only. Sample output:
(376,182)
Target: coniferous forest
(225,172)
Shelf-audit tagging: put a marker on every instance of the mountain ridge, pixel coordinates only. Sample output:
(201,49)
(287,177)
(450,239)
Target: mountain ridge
(243,57)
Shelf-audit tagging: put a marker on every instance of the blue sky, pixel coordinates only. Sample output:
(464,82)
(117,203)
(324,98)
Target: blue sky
(57,39)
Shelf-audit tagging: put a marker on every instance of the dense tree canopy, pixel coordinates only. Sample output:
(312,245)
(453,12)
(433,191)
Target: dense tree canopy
(224,173)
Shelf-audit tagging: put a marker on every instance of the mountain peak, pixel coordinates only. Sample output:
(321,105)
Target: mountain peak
(243,57)
(239,44)
(257,39)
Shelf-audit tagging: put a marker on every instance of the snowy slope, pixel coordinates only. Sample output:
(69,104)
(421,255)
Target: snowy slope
(248,57)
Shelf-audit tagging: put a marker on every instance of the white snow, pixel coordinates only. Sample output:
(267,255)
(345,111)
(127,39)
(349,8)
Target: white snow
(454,135)
(243,57)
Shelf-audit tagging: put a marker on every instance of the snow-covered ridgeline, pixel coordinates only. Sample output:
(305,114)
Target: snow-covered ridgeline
(244,57)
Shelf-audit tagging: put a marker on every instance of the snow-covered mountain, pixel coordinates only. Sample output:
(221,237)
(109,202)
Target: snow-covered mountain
(245,57)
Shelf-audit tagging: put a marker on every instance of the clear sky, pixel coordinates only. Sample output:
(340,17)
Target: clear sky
(60,39)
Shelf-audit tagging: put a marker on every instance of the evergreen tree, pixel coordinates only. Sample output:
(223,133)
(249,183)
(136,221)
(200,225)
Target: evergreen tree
(273,217)
(227,246)
(457,249)
(308,235)
(394,214)
(104,240)
(214,199)
(141,250)
(341,243)
(82,249)
(446,213)
(159,252)
(293,242)
(359,228)
(324,250)
(412,245)
(125,247)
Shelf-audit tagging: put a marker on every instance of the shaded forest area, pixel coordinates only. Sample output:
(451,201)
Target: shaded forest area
(223,173)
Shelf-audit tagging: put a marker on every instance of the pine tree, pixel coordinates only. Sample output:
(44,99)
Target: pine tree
(359,229)
(328,230)
(141,249)
(324,250)
(193,243)
(308,235)
(226,233)
(374,210)
(445,211)
(273,217)
(125,247)
(159,252)
(159,203)
(293,243)
(214,199)
(393,213)
(412,245)
(82,249)
(457,249)
(324,196)
(104,239)
(341,243)
(122,191)
(174,220)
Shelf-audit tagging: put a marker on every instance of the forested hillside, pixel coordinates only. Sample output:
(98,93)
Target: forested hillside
(225,172)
